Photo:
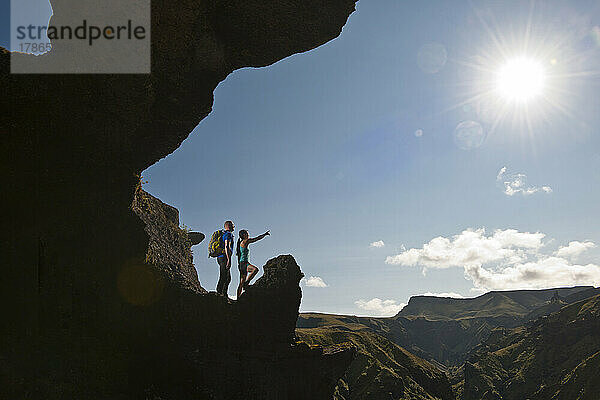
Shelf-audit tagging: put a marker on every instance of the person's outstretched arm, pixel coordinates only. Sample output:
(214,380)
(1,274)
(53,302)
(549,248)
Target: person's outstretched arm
(259,237)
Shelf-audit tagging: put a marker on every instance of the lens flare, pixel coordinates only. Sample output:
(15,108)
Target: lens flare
(520,79)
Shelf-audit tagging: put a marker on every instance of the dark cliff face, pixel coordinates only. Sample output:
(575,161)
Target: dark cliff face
(168,338)
(98,303)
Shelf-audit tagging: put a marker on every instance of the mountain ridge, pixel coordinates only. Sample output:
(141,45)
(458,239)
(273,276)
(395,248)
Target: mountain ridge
(520,301)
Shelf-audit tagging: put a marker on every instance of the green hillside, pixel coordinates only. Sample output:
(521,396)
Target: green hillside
(444,330)
(442,338)
(554,358)
(381,369)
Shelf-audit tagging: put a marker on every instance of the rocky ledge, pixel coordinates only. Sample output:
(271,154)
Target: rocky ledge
(171,339)
(223,349)
(219,348)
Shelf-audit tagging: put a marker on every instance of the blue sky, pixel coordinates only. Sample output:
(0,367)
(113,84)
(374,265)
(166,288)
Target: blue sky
(321,149)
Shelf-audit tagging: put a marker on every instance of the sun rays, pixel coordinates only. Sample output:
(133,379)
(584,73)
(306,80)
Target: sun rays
(527,73)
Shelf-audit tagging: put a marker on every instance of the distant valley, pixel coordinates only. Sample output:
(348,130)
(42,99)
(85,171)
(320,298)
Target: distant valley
(438,348)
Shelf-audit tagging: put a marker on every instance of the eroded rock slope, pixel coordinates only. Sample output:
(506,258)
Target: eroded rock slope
(555,357)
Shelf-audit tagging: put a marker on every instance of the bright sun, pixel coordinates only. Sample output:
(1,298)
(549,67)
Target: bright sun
(520,79)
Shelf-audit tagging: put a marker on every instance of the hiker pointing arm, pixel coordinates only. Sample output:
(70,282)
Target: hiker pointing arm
(247,270)
(259,237)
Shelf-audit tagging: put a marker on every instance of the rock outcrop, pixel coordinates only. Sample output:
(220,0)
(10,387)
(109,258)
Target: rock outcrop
(176,340)
(196,237)
(103,302)
(169,247)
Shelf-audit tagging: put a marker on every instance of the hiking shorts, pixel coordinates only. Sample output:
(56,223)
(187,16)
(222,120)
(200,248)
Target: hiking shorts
(243,267)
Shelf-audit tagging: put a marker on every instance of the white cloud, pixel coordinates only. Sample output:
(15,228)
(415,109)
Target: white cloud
(378,307)
(501,173)
(543,273)
(506,259)
(314,281)
(517,183)
(471,247)
(574,249)
(377,244)
(444,294)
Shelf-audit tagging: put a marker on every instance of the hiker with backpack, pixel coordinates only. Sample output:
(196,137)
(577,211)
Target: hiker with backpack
(221,247)
(247,270)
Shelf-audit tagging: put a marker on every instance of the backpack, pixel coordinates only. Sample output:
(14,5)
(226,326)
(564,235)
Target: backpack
(216,246)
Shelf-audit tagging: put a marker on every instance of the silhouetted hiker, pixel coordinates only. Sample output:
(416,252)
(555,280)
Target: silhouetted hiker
(221,246)
(247,270)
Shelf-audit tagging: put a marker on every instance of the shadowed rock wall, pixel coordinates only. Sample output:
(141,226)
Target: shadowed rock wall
(89,313)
